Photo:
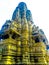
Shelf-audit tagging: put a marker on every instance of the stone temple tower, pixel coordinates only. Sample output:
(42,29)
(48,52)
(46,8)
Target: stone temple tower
(22,42)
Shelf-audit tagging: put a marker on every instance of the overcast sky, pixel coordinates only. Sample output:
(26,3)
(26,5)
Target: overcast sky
(39,9)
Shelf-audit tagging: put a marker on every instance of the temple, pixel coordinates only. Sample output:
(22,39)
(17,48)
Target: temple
(21,41)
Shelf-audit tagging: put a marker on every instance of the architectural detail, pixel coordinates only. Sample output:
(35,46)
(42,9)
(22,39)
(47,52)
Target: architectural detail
(22,42)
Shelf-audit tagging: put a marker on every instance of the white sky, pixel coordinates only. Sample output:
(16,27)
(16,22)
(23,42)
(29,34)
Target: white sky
(39,9)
